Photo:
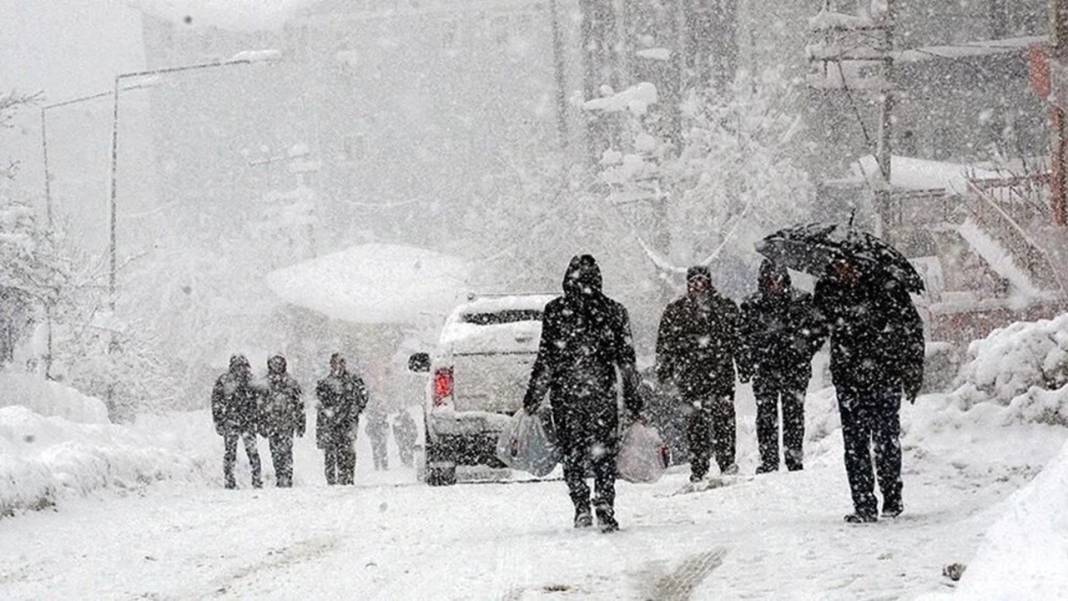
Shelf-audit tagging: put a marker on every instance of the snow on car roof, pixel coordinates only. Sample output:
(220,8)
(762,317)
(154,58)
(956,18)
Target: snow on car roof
(375,283)
(512,302)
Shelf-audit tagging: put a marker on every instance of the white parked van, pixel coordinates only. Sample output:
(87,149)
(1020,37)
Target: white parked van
(478,376)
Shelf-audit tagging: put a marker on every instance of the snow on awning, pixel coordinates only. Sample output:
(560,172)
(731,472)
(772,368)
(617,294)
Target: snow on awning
(970,49)
(907,173)
(375,283)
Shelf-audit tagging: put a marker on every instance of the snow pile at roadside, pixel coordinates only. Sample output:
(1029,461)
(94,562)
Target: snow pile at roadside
(1022,370)
(50,399)
(1025,553)
(43,459)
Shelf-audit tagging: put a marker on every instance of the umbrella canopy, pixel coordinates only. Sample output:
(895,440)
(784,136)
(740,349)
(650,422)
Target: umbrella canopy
(812,248)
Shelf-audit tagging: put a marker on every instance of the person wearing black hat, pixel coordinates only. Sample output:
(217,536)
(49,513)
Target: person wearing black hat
(282,416)
(342,397)
(782,333)
(585,348)
(698,345)
(234,411)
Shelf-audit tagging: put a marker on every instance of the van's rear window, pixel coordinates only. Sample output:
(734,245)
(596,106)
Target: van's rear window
(505,316)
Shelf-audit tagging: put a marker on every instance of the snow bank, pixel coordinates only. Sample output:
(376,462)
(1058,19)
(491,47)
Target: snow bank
(43,459)
(50,399)
(1022,369)
(1025,553)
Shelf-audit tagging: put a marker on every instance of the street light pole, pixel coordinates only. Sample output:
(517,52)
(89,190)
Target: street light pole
(241,58)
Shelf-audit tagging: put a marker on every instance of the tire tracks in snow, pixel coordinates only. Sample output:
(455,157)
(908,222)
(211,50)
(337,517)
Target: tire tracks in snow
(299,552)
(681,583)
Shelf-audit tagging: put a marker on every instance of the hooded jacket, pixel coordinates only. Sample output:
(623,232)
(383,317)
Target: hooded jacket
(342,398)
(585,342)
(281,405)
(698,343)
(781,329)
(233,399)
(876,333)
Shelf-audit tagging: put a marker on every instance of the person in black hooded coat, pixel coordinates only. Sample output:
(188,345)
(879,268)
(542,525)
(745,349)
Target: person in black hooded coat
(236,416)
(282,411)
(877,353)
(782,332)
(585,348)
(698,344)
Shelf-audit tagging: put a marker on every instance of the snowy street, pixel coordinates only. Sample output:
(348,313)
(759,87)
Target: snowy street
(779,536)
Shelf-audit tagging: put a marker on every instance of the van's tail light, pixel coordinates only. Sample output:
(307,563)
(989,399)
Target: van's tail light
(442,386)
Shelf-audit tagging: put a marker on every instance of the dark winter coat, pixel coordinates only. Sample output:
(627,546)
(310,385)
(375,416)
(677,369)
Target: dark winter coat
(341,400)
(234,404)
(698,344)
(282,407)
(585,347)
(876,334)
(782,331)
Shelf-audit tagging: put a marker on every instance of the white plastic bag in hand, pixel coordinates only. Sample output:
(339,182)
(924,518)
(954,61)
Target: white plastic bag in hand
(643,456)
(528,444)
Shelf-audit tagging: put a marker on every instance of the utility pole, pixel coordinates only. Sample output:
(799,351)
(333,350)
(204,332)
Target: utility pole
(560,73)
(884,195)
(1058,71)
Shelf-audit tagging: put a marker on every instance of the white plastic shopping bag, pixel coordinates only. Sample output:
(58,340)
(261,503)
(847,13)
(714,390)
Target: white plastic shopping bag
(527,443)
(643,457)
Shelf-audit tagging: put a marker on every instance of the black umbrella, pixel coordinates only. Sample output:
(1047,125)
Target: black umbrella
(812,248)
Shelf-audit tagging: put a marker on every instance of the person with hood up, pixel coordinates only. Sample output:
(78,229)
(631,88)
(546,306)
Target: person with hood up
(877,353)
(698,344)
(234,411)
(585,349)
(782,333)
(282,411)
(342,396)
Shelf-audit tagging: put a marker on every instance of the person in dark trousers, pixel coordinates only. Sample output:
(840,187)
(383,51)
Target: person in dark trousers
(782,333)
(405,432)
(378,432)
(282,417)
(234,411)
(877,351)
(585,349)
(698,345)
(342,397)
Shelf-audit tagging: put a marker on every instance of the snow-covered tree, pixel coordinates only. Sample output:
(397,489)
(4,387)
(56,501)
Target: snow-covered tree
(735,178)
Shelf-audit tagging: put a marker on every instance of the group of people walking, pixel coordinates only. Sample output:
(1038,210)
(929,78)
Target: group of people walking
(243,407)
(705,343)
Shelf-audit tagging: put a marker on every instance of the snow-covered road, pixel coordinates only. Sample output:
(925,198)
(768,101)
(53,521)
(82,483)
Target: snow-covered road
(775,537)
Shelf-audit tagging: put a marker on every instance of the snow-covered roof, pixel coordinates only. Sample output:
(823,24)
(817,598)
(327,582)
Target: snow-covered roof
(375,283)
(920,174)
(969,49)
(635,99)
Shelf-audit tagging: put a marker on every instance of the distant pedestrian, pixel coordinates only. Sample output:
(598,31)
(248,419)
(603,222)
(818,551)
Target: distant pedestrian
(342,397)
(782,334)
(698,345)
(378,432)
(234,411)
(282,410)
(877,353)
(405,432)
(585,349)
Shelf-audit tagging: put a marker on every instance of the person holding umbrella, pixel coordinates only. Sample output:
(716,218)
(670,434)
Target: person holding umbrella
(877,348)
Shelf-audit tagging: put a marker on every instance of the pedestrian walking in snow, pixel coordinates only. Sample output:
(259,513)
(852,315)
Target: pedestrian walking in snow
(234,411)
(877,351)
(585,348)
(378,432)
(405,432)
(698,345)
(782,333)
(282,417)
(342,397)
